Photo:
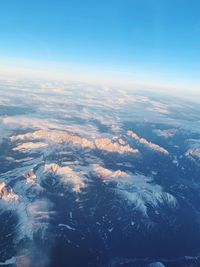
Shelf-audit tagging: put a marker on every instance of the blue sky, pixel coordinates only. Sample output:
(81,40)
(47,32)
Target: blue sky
(159,39)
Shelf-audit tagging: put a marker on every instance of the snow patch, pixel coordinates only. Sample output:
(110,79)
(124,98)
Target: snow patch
(144,142)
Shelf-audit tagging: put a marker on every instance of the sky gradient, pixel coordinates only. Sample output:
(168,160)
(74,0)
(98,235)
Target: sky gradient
(139,40)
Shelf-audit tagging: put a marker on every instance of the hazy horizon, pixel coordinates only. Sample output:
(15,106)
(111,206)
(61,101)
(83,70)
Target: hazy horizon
(145,43)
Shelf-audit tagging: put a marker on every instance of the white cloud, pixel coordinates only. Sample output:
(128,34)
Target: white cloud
(166,133)
(159,107)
